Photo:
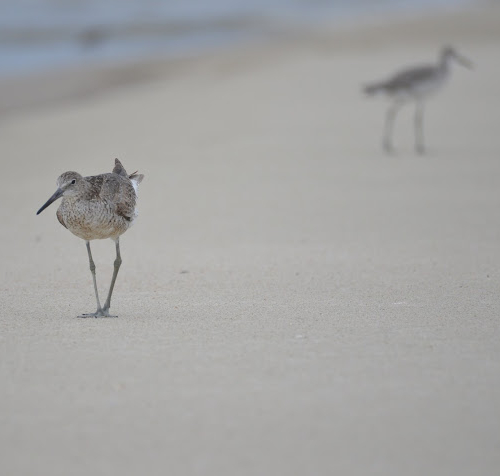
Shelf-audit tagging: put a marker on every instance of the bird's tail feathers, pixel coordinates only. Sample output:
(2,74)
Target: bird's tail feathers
(374,88)
(135,177)
(120,170)
(135,180)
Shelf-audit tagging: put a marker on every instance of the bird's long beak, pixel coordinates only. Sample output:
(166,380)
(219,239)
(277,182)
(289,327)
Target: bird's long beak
(464,61)
(58,193)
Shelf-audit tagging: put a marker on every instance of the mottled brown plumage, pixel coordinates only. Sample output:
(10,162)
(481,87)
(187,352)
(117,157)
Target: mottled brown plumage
(98,207)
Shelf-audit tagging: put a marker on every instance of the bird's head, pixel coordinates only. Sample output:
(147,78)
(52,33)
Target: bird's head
(67,184)
(448,53)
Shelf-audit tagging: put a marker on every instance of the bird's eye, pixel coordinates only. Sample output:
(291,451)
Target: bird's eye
(73,181)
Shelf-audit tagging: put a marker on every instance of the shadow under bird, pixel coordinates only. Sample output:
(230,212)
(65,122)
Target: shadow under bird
(98,207)
(414,84)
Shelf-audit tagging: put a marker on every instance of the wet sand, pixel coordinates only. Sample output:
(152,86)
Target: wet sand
(292,301)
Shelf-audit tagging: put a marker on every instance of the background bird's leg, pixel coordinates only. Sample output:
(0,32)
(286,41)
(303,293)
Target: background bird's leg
(389,126)
(419,127)
(92,270)
(118,262)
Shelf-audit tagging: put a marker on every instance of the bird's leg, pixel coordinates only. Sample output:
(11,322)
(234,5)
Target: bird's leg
(389,126)
(419,127)
(99,312)
(92,270)
(117,264)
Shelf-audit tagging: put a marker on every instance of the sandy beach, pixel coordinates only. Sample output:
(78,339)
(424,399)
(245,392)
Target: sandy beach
(292,301)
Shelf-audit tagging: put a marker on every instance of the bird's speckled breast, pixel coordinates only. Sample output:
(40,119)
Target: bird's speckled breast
(92,219)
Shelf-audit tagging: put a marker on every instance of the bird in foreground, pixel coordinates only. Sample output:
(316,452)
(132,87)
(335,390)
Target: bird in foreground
(98,207)
(414,84)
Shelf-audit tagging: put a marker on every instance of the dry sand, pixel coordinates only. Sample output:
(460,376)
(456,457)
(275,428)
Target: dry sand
(291,301)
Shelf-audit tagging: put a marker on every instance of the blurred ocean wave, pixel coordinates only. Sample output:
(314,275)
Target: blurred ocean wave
(37,35)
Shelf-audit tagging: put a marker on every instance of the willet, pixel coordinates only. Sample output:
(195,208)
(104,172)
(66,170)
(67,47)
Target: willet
(98,207)
(414,84)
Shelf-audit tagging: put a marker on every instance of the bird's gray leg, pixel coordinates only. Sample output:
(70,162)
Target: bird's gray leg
(389,126)
(117,264)
(419,127)
(92,270)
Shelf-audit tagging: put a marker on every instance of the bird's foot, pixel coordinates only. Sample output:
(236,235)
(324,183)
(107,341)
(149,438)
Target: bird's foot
(388,148)
(98,313)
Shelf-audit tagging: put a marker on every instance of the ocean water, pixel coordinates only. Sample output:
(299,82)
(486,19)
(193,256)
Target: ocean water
(40,35)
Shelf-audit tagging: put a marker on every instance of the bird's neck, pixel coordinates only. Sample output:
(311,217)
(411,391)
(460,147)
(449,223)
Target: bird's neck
(67,202)
(444,63)
(84,193)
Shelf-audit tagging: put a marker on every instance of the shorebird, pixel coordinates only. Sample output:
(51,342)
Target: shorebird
(414,84)
(98,207)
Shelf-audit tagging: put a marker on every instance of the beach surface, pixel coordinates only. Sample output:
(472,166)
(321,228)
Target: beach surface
(292,301)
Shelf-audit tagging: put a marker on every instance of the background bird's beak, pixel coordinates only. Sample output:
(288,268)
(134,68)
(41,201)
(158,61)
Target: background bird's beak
(464,61)
(58,193)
